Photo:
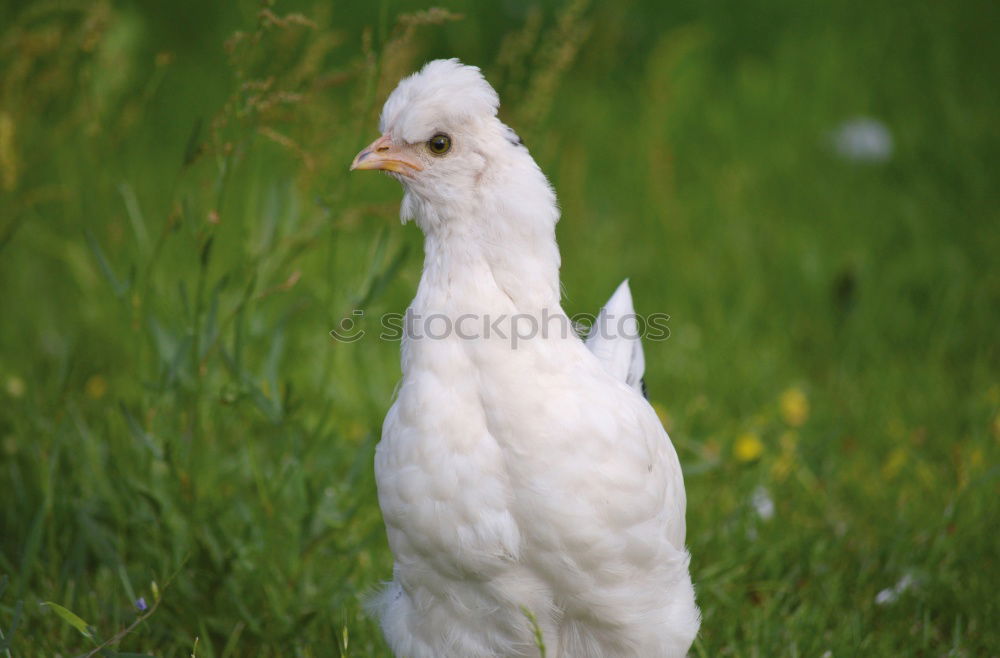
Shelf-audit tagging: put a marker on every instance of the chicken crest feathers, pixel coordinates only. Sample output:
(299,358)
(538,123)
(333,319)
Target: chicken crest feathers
(445,90)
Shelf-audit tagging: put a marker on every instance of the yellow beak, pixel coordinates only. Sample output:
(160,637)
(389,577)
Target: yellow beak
(382,154)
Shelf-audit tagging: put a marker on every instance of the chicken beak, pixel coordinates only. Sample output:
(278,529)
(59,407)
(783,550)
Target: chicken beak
(382,154)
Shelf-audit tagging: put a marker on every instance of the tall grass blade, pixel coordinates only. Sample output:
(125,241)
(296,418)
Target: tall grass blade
(72,619)
(135,217)
(140,434)
(118,287)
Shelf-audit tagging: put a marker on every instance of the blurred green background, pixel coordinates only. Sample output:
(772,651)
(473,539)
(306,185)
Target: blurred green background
(808,189)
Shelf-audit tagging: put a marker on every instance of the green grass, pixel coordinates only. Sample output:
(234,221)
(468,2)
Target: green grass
(179,234)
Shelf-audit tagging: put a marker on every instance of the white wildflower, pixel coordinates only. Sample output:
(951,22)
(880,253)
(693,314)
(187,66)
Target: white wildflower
(863,139)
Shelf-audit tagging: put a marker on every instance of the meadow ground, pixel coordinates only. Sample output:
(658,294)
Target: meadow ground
(179,235)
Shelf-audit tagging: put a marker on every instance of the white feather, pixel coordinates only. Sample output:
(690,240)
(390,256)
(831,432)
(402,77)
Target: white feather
(614,338)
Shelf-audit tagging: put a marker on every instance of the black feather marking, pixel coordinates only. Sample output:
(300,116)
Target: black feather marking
(645,391)
(513,137)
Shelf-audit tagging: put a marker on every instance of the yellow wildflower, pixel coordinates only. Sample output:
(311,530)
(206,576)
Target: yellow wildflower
(794,407)
(748,447)
(96,387)
(894,464)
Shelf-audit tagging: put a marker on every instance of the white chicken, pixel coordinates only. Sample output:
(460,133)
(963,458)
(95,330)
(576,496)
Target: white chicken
(523,478)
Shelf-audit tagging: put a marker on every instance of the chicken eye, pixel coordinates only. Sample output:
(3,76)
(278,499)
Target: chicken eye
(439,144)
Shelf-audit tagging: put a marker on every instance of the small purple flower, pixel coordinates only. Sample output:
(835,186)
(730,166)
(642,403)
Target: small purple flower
(140,603)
